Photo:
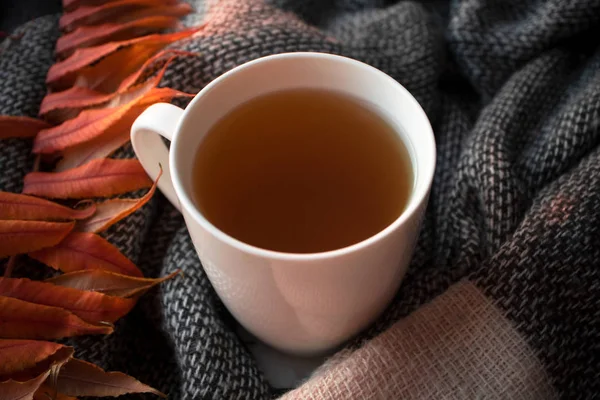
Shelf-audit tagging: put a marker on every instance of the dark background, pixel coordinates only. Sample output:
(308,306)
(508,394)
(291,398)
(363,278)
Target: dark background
(16,12)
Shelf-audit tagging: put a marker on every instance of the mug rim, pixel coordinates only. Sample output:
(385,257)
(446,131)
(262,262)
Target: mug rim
(416,198)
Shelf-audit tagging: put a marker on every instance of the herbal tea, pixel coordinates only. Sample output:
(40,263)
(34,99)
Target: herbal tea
(302,171)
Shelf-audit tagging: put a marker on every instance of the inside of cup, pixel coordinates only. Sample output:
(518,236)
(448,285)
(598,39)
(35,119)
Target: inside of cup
(307,70)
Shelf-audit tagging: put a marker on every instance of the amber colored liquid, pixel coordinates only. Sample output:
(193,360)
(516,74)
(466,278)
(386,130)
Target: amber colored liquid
(302,171)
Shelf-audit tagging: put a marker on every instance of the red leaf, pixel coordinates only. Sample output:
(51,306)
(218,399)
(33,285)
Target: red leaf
(86,126)
(120,11)
(23,382)
(14,390)
(90,306)
(84,250)
(15,206)
(112,211)
(113,61)
(45,392)
(80,378)
(107,282)
(60,106)
(19,355)
(86,36)
(99,147)
(21,127)
(118,115)
(134,77)
(24,320)
(17,237)
(161,94)
(98,178)
(72,4)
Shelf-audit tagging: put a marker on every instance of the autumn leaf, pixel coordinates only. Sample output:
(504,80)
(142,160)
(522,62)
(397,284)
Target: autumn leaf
(36,363)
(84,250)
(119,114)
(24,382)
(19,354)
(17,237)
(45,392)
(100,147)
(59,106)
(86,126)
(80,378)
(169,8)
(120,11)
(15,390)
(112,211)
(103,122)
(146,95)
(24,320)
(86,36)
(108,88)
(113,61)
(92,307)
(15,206)
(98,178)
(69,5)
(107,282)
(20,127)
(134,77)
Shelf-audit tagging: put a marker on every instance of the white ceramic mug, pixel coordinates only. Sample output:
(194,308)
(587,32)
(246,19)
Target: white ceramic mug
(299,303)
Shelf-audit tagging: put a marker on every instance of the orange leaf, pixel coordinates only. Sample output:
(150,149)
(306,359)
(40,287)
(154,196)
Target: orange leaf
(141,96)
(21,127)
(67,104)
(112,211)
(23,207)
(84,250)
(23,383)
(98,178)
(60,106)
(69,5)
(17,237)
(14,390)
(133,78)
(45,392)
(99,147)
(161,94)
(80,378)
(106,11)
(108,282)
(24,320)
(120,11)
(86,126)
(119,114)
(72,4)
(92,307)
(86,36)
(112,61)
(18,354)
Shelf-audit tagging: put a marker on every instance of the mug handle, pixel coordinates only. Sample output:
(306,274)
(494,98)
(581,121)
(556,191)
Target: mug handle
(158,120)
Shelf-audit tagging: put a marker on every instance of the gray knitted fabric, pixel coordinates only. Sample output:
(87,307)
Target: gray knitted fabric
(512,88)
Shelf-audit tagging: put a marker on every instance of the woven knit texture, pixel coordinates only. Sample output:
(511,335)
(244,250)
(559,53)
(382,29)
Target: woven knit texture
(459,346)
(512,89)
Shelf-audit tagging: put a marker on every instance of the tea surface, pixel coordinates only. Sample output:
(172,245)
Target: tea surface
(302,171)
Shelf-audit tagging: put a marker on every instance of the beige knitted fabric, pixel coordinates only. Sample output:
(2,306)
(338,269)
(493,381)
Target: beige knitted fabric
(459,346)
